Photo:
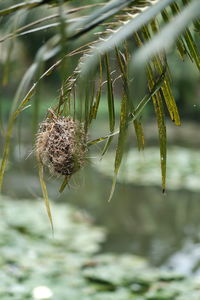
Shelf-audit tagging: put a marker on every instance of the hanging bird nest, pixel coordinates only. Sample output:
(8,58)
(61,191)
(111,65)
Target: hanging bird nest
(61,145)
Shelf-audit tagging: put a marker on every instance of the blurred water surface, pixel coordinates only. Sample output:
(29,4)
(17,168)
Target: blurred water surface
(139,219)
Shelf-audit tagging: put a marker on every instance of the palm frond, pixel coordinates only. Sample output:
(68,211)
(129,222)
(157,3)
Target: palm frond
(117,36)
(134,34)
(165,39)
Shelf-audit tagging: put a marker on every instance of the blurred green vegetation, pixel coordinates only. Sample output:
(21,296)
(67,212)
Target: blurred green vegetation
(186,90)
(69,264)
(20,53)
(36,265)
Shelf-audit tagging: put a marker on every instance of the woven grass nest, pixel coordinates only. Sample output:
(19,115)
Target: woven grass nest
(61,145)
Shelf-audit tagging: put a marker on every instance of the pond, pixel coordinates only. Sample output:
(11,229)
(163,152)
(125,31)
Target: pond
(140,219)
(36,265)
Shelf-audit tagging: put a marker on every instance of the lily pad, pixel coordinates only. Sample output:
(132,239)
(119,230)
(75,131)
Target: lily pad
(143,168)
(36,265)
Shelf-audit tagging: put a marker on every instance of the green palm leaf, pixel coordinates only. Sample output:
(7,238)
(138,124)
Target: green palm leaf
(136,34)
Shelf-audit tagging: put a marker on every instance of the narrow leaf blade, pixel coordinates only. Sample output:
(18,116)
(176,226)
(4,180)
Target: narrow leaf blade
(45,194)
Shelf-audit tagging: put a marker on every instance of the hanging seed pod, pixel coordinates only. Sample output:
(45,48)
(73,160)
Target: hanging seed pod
(61,145)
